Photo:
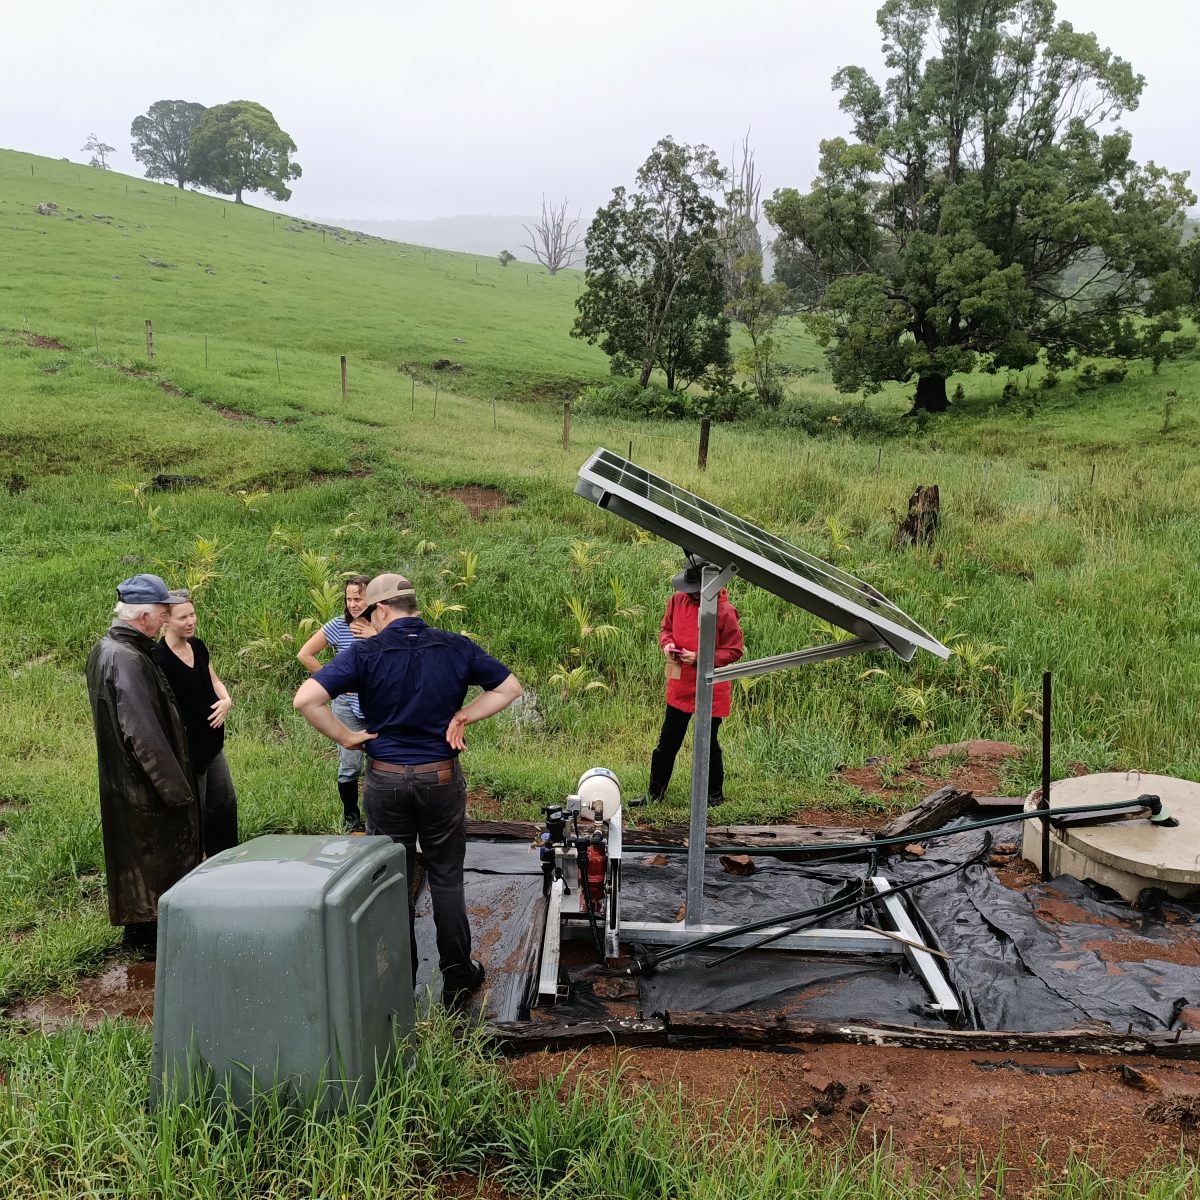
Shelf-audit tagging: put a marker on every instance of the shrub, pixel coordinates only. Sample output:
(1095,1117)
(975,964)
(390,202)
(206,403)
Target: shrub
(1113,374)
(623,398)
(830,420)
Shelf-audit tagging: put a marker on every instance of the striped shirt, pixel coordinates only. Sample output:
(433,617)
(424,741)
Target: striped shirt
(337,634)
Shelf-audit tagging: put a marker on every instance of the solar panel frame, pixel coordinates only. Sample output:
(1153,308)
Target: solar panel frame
(762,558)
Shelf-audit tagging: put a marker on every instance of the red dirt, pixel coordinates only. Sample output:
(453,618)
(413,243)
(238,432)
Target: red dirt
(44,343)
(479,500)
(937,1107)
(482,805)
(978,772)
(1061,911)
(1185,951)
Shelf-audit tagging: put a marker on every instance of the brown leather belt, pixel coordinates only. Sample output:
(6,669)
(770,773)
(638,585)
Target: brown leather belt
(442,771)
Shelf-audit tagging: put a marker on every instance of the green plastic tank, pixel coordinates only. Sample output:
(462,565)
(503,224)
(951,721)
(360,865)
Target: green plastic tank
(283,962)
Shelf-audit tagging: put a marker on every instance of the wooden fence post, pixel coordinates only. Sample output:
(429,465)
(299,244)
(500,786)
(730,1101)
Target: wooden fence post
(566,424)
(149,341)
(702,457)
(343,377)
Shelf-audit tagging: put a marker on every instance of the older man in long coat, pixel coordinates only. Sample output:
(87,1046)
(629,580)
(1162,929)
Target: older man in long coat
(149,813)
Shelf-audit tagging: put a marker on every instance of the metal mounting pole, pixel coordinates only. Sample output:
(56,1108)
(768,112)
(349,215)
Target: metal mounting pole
(711,582)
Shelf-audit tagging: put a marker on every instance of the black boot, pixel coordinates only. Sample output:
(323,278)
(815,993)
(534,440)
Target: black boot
(348,790)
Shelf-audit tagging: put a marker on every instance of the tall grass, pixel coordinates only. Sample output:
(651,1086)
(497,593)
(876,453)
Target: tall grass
(74,1122)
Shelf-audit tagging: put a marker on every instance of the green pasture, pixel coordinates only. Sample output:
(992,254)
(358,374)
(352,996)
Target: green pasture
(1070,537)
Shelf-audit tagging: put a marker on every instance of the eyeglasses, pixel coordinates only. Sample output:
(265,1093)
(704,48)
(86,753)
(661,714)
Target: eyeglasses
(366,612)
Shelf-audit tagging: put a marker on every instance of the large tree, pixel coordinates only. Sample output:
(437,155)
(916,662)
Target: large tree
(162,138)
(987,207)
(654,293)
(238,147)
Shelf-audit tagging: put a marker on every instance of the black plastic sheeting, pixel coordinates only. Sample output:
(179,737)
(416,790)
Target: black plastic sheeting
(1025,961)
(1014,965)
(503,882)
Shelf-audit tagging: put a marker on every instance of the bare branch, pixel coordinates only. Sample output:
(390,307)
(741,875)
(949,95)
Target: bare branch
(552,240)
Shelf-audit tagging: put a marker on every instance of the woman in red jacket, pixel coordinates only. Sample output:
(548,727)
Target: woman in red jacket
(679,637)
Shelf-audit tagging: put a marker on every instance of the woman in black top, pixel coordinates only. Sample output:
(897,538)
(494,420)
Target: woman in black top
(203,702)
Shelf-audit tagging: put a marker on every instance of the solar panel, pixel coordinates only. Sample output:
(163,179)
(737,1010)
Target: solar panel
(694,524)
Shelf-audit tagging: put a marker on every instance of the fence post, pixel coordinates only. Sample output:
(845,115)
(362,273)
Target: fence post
(149,341)
(566,424)
(702,457)
(343,377)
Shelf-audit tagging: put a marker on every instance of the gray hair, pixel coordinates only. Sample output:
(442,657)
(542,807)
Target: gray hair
(131,612)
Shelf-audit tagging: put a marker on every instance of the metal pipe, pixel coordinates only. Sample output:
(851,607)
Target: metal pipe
(1045,804)
(701,746)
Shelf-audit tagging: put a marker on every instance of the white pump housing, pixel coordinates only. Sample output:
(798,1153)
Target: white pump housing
(599,793)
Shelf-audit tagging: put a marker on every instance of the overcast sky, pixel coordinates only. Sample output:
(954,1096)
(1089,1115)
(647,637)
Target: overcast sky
(419,110)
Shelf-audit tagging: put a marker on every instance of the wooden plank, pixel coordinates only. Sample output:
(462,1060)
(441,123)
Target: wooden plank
(932,813)
(677,835)
(765,1032)
(522,1037)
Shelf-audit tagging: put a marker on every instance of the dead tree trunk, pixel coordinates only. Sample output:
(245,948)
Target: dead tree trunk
(924,510)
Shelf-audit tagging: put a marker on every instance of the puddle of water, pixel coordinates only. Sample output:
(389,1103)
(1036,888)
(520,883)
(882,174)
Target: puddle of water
(123,990)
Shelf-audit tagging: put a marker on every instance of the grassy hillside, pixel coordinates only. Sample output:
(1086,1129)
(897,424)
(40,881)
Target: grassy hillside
(1070,539)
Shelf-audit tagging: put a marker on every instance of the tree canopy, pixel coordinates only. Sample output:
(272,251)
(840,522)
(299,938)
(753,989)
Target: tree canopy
(238,147)
(162,139)
(987,208)
(654,293)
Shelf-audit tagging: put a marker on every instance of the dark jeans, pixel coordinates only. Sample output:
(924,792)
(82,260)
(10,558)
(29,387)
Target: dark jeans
(670,738)
(218,806)
(404,808)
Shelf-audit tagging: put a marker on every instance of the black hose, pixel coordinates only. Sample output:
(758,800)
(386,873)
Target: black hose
(894,890)
(903,840)
(587,900)
(805,916)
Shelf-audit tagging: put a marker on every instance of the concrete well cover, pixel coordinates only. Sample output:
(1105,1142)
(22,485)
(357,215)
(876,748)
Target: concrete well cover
(1155,853)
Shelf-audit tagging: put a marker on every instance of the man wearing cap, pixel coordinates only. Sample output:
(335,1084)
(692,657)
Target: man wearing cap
(148,811)
(411,681)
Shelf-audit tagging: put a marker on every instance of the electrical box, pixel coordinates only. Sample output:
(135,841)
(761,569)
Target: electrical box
(284,962)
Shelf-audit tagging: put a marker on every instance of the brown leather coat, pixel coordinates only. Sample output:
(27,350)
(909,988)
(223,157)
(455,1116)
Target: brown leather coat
(148,809)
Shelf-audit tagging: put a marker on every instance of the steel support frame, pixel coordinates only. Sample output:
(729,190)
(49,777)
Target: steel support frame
(713,579)
(924,965)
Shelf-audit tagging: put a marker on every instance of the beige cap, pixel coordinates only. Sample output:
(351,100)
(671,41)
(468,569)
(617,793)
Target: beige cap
(388,587)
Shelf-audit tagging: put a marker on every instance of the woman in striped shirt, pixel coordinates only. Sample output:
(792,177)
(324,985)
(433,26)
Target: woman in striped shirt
(337,634)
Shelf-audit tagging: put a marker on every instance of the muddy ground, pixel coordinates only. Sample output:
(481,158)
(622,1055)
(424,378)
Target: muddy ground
(937,1107)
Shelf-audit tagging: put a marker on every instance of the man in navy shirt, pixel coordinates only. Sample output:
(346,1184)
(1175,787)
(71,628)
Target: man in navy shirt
(411,681)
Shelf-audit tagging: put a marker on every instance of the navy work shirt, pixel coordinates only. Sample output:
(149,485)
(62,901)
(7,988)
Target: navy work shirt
(411,679)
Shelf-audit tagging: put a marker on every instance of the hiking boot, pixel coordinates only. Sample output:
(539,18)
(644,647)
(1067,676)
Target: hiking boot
(355,825)
(457,992)
(644,798)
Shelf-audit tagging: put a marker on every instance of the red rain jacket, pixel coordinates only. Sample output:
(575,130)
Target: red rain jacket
(681,625)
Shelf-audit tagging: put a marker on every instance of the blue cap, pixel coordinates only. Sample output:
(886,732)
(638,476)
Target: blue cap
(143,589)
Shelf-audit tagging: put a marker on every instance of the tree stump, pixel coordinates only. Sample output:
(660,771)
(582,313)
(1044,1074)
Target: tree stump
(924,509)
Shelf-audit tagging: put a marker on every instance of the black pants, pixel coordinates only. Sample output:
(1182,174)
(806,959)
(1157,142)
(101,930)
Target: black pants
(218,807)
(670,738)
(405,807)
